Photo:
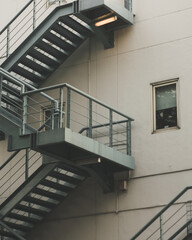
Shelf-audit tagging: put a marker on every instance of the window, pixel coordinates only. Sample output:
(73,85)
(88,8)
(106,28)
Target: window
(165,104)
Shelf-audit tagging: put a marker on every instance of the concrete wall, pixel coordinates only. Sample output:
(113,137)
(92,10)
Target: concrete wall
(157,47)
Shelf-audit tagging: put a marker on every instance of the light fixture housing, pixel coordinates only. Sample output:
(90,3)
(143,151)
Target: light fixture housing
(106,21)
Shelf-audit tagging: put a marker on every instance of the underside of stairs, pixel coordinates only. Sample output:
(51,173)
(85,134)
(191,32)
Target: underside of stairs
(37,197)
(68,157)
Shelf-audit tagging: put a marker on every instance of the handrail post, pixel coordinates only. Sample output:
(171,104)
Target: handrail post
(110,128)
(34,14)
(1,87)
(90,118)
(27,164)
(128,137)
(68,107)
(61,109)
(8,41)
(24,114)
(161,227)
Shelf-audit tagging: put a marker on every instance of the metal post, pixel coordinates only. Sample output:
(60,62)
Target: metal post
(129,137)
(8,41)
(161,227)
(61,109)
(68,107)
(34,14)
(1,87)
(90,118)
(27,164)
(110,128)
(24,113)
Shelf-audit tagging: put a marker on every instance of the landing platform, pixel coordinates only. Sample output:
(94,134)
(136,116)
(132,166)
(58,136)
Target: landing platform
(81,150)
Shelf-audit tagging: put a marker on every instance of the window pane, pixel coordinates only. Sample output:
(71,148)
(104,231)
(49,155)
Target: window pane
(166,106)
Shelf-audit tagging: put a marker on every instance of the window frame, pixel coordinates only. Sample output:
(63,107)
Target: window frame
(162,84)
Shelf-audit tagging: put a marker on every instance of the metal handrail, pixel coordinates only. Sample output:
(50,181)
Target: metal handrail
(102,125)
(14,18)
(9,159)
(161,212)
(79,92)
(11,231)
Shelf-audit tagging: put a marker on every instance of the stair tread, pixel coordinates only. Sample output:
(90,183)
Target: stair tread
(23,218)
(43,58)
(40,202)
(27,74)
(59,42)
(35,211)
(64,177)
(48,194)
(13,91)
(19,227)
(56,186)
(67,34)
(75,25)
(73,170)
(51,50)
(7,234)
(35,66)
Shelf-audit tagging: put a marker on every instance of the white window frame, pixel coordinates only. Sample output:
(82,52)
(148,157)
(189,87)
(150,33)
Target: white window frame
(161,84)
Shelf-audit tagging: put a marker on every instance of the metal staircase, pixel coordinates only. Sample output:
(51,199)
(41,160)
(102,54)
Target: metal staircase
(173,222)
(64,139)
(30,198)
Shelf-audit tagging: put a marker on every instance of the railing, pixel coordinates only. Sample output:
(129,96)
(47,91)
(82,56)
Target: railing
(80,112)
(19,166)
(23,24)
(174,221)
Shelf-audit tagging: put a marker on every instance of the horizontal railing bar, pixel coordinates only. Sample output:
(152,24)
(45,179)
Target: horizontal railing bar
(102,125)
(161,212)
(16,16)
(9,159)
(79,92)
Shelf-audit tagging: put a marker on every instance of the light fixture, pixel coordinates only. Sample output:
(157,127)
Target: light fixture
(106,21)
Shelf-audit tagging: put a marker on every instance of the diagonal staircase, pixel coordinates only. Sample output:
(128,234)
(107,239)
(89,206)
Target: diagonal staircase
(48,185)
(63,155)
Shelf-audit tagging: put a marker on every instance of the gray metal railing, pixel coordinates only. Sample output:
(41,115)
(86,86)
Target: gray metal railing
(23,24)
(174,220)
(16,170)
(81,113)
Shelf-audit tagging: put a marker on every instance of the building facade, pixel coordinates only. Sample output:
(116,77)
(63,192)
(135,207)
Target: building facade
(146,75)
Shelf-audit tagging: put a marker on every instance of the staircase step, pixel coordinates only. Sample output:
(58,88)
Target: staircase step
(23,218)
(43,58)
(27,74)
(7,234)
(36,67)
(59,42)
(40,202)
(51,50)
(67,34)
(48,194)
(73,170)
(64,177)
(19,227)
(35,211)
(78,27)
(56,186)
(11,90)
(17,103)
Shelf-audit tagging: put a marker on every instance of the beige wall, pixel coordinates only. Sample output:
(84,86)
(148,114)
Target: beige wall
(157,47)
